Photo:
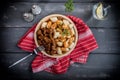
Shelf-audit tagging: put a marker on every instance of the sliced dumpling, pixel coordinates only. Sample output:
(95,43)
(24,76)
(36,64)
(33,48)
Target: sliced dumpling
(56,34)
(66,45)
(71,25)
(59,51)
(59,22)
(44,24)
(64,49)
(59,43)
(53,19)
(72,31)
(72,45)
(69,36)
(66,22)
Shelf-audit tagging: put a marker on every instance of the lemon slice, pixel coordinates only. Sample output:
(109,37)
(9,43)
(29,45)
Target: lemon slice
(99,11)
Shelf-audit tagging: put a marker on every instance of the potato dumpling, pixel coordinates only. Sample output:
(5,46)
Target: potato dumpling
(53,19)
(59,50)
(56,34)
(71,45)
(60,43)
(44,24)
(66,22)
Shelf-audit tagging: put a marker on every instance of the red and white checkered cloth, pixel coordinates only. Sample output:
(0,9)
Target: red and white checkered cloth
(86,43)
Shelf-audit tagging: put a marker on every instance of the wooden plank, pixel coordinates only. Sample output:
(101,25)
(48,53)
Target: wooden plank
(61,1)
(108,39)
(13,16)
(97,66)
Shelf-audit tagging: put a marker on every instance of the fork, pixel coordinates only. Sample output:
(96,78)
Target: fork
(36,50)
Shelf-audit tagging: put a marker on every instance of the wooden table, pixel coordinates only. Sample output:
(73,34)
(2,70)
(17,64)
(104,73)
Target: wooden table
(103,63)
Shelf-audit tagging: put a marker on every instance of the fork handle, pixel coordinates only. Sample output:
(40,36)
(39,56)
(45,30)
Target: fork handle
(20,60)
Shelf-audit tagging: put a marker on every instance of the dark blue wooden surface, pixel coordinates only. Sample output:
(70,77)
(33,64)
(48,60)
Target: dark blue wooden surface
(103,63)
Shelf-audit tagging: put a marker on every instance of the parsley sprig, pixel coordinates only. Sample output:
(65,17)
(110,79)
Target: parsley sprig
(65,32)
(69,7)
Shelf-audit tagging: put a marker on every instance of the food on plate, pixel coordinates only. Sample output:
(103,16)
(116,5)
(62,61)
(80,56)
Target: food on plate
(57,35)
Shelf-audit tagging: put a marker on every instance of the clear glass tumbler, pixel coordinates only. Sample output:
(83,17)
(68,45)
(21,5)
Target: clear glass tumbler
(99,11)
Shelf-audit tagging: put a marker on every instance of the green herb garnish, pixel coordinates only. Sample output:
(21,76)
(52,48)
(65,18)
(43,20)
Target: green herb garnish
(69,6)
(65,32)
